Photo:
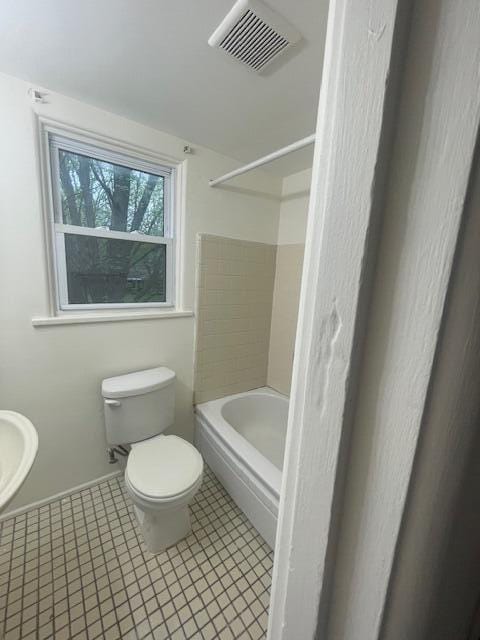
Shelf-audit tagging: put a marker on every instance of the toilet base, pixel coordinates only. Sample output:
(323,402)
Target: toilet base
(163,529)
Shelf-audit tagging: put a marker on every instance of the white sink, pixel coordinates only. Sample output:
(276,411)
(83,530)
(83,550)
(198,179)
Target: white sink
(18,448)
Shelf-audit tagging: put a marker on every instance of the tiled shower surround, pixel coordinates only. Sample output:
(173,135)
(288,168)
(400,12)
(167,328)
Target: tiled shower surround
(246,317)
(234,308)
(77,569)
(286,298)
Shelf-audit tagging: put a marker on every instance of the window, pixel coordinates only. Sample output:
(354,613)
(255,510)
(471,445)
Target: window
(113,228)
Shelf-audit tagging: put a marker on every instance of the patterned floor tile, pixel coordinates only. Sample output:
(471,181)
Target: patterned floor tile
(77,569)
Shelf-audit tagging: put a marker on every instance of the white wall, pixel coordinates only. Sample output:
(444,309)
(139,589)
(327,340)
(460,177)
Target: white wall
(288,274)
(53,374)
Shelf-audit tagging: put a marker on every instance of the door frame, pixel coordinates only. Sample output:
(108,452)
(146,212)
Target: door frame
(358,100)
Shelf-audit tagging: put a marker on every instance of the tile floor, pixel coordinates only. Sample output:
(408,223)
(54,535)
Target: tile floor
(77,569)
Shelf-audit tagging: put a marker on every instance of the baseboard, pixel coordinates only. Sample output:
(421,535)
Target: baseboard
(57,496)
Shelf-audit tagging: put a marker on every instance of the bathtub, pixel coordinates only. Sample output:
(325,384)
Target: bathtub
(242,439)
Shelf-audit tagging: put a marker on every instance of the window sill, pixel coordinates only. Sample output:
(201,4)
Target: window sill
(90,318)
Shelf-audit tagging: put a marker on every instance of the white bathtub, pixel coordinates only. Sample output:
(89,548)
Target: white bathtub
(242,439)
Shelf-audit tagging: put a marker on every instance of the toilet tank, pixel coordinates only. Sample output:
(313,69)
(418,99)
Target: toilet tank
(138,405)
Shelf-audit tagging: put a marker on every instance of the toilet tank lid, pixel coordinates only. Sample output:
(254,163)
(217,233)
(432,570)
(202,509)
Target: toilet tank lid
(137,383)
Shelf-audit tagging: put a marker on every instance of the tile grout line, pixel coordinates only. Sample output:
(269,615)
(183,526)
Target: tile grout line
(140,591)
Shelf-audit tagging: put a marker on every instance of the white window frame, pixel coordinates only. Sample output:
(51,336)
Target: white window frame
(56,135)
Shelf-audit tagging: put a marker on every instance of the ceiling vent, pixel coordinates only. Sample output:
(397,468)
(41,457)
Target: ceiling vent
(254,34)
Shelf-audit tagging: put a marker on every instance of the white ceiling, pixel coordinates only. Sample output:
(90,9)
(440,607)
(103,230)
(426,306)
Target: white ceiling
(149,60)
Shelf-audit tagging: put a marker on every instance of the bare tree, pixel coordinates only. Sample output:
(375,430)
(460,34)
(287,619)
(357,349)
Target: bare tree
(95,194)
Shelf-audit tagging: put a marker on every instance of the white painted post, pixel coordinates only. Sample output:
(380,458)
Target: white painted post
(357,63)
(437,129)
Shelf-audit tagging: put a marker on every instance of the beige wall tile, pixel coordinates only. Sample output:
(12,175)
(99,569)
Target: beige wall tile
(247,307)
(286,295)
(233,317)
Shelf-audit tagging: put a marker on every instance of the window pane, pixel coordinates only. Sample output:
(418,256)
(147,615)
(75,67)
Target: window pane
(101,271)
(95,193)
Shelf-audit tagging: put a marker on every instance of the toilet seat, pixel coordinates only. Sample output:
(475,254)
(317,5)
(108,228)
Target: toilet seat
(163,470)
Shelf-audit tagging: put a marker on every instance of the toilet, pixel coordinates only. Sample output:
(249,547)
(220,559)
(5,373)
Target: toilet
(163,473)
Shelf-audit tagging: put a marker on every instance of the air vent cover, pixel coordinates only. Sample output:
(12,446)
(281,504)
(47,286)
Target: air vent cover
(254,34)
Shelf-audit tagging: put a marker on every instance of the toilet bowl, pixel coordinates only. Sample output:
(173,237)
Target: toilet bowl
(163,473)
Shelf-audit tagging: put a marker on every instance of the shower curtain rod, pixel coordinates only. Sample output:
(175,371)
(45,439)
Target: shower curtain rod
(299,144)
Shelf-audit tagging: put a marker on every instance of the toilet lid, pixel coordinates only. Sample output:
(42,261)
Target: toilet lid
(164,466)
